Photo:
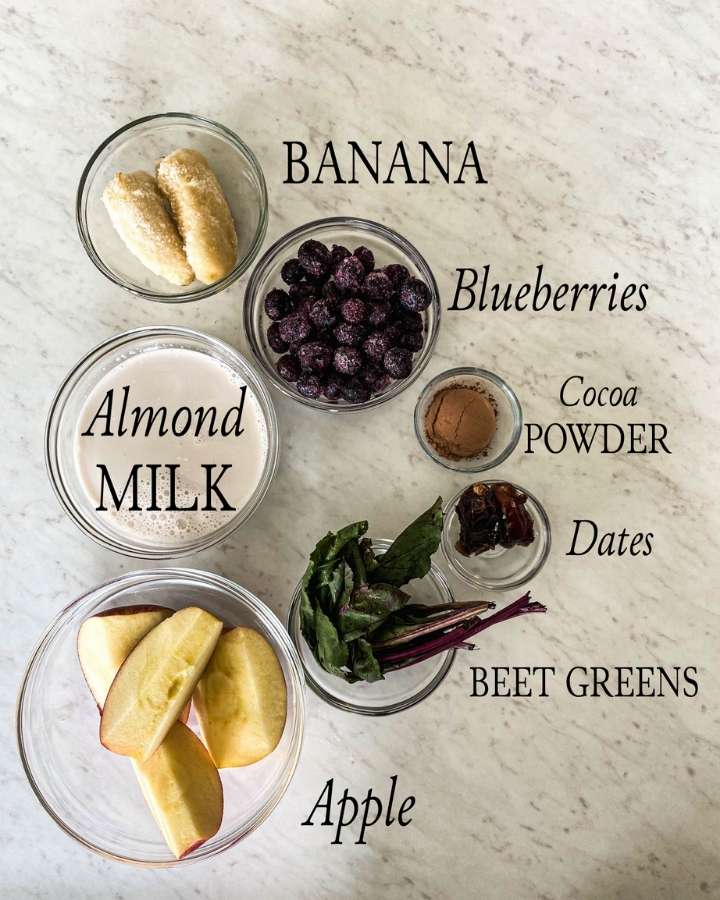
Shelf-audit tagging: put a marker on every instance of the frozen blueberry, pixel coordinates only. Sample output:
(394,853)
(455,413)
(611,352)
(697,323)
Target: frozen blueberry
(375,377)
(413,341)
(278,304)
(377,286)
(378,313)
(332,291)
(397,274)
(414,295)
(398,362)
(337,254)
(315,356)
(288,368)
(394,333)
(302,291)
(314,258)
(356,391)
(347,360)
(323,313)
(295,328)
(411,321)
(350,274)
(377,345)
(292,271)
(309,386)
(274,339)
(354,310)
(349,333)
(365,255)
(333,389)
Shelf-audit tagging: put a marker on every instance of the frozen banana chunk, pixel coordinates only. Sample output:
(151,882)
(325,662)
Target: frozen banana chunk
(141,217)
(202,214)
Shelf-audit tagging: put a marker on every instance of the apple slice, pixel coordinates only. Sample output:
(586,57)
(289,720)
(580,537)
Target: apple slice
(156,681)
(105,640)
(241,699)
(182,787)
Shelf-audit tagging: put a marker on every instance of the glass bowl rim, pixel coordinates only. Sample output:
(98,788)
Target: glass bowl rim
(503,387)
(183,296)
(475,582)
(362,225)
(268,618)
(63,393)
(361,708)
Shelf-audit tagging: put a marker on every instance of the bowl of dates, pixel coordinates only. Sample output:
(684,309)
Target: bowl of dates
(342,314)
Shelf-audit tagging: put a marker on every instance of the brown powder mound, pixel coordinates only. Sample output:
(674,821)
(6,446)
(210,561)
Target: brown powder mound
(460,422)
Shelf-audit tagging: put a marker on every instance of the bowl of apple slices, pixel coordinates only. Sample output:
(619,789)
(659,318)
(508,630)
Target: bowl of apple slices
(161,716)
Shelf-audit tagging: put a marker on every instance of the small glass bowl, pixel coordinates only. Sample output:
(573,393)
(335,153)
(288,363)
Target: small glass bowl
(387,246)
(92,794)
(399,690)
(139,145)
(501,568)
(66,409)
(507,410)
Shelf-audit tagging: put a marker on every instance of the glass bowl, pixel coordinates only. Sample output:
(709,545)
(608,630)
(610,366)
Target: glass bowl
(91,793)
(501,568)
(65,411)
(387,246)
(508,412)
(139,145)
(399,690)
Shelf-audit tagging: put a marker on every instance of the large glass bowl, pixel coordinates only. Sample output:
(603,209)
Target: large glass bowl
(139,145)
(65,411)
(91,793)
(399,690)
(387,246)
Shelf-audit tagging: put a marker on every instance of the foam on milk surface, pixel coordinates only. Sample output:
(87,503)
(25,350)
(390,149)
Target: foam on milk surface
(172,378)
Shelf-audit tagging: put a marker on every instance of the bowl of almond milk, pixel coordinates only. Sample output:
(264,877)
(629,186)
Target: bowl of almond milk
(160,442)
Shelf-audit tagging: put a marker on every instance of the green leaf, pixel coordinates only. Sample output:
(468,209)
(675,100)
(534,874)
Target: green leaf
(368,556)
(409,555)
(367,608)
(363,663)
(332,653)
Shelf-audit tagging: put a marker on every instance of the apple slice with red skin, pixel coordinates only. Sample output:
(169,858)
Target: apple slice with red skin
(106,639)
(182,787)
(156,681)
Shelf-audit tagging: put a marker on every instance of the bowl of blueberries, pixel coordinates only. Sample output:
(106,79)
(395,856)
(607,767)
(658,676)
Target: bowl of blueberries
(342,314)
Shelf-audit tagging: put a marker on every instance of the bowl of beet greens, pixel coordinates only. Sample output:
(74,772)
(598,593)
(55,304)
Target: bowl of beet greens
(375,623)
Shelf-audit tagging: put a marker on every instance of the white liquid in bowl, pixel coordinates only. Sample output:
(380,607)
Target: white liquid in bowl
(181,463)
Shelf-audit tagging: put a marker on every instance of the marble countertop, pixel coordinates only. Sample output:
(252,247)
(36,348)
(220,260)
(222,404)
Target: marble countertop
(598,131)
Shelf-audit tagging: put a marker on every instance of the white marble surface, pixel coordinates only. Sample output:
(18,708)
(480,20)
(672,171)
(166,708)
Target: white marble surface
(598,129)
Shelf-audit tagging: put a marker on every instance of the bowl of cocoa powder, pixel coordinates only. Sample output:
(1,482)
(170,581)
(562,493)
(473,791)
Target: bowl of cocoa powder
(468,419)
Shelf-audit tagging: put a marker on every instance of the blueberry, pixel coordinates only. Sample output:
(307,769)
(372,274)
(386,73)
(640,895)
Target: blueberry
(354,310)
(394,332)
(292,271)
(356,391)
(332,291)
(315,356)
(414,295)
(347,360)
(288,368)
(314,258)
(309,386)
(413,341)
(377,345)
(278,304)
(375,377)
(323,313)
(333,389)
(337,254)
(274,339)
(349,274)
(377,286)
(365,255)
(302,291)
(398,362)
(295,328)
(397,274)
(378,313)
(411,321)
(349,333)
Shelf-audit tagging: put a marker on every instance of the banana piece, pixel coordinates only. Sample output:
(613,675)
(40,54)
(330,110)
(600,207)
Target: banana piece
(201,212)
(141,217)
